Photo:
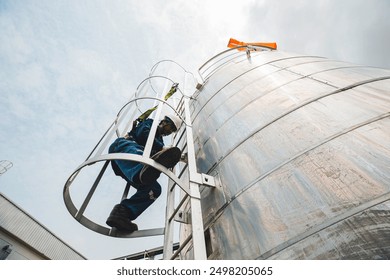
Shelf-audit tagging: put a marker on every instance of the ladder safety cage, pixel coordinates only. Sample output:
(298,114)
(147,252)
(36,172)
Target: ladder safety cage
(187,178)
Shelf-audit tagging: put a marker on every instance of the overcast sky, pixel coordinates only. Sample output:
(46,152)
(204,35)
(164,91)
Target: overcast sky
(67,67)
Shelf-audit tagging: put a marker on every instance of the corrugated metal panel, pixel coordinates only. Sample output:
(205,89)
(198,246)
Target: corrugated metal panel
(25,228)
(301,146)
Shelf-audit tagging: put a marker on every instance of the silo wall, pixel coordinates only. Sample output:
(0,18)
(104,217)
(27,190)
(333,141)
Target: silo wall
(300,147)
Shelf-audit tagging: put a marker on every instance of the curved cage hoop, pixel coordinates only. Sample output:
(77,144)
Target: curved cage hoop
(78,213)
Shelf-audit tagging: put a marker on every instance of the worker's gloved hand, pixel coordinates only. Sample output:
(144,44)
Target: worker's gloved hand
(166,147)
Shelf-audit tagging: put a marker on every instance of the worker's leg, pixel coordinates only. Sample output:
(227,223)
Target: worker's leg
(128,210)
(128,170)
(168,157)
(142,199)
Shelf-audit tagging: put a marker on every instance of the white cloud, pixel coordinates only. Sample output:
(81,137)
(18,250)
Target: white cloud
(15,49)
(353,31)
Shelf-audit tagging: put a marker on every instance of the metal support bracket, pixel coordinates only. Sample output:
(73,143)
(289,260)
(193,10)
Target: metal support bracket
(183,217)
(208,180)
(248,53)
(203,179)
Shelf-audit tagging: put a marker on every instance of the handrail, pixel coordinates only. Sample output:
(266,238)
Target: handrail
(220,55)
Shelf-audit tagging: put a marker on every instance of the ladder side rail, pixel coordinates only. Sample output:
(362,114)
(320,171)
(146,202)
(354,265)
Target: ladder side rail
(186,195)
(170,214)
(169,226)
(199,243)
(170,206)
(181,247)
(198,238)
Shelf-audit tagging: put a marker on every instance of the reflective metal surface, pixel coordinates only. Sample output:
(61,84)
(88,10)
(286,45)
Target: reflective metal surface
(300,146)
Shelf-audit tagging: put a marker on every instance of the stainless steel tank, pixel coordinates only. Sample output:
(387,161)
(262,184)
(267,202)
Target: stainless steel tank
(300,146)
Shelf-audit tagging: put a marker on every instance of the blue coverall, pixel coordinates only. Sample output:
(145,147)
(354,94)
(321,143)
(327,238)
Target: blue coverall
(130,170)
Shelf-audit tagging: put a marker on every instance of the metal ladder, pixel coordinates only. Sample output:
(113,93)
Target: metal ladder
(187,178)
(195,180)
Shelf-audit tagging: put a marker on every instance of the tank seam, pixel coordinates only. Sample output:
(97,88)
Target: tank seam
(341,217)
(299,107)
(220,211)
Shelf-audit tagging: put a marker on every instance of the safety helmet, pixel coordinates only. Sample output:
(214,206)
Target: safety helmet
(175,120)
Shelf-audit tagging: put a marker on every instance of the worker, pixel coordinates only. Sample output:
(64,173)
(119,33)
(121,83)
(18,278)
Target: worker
(142,177)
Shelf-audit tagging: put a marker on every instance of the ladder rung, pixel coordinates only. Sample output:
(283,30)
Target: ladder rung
(138,233)
(180,137)
(188,239)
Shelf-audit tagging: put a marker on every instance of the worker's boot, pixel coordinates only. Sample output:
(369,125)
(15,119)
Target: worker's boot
(168,158)
(119,218)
